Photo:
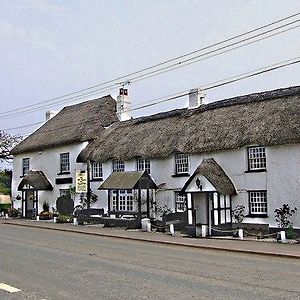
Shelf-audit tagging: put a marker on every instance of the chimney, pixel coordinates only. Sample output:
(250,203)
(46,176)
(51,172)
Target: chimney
(123,105)
(50,114)
(196,97)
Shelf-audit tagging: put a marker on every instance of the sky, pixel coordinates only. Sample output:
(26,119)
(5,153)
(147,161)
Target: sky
(49,48)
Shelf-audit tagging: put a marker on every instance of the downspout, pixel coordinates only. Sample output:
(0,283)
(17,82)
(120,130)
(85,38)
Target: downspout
(88,193)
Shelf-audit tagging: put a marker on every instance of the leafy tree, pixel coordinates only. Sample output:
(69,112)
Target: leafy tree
(7,142)
(5,181)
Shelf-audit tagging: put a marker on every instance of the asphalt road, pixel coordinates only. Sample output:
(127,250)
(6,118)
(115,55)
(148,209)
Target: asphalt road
(47,264)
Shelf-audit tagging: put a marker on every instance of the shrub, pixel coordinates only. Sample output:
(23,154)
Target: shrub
(283,214)
(238,213)
(65,219)
(46,206)
(291,233)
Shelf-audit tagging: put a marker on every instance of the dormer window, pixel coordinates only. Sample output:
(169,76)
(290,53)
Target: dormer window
(182,163)
(256,158)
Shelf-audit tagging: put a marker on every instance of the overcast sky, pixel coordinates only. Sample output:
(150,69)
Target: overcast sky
(49,48)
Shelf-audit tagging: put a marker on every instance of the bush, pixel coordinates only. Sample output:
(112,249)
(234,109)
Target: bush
(45,215)
(291,233)
(283,214)
(65,219)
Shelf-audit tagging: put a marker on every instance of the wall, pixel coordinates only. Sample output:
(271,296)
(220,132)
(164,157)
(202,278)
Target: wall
(47,161)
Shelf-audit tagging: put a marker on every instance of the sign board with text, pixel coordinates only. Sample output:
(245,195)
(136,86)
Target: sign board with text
(81,181)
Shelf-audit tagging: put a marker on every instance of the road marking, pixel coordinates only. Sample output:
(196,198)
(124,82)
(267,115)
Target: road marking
(8,288)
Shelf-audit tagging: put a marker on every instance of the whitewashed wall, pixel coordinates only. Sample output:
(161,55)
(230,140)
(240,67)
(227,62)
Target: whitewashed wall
(281,180)
(47,161)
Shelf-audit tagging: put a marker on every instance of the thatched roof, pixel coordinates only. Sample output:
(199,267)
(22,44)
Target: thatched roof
(37,180)
(267,118)
(128,180)
(76,123)
(213,172)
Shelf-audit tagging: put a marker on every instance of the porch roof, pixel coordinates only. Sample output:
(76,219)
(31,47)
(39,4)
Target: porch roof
(128,180)
(214,173)
(37,180)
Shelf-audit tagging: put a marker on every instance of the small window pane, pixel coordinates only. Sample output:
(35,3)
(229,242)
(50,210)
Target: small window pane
(64,162)
(26,166)
(97,170)
(258,203)
(143,164)
(180,202)
(181,163)
(118,165)
(256,158)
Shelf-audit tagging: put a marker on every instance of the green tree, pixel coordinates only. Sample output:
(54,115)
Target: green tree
(7,142)
(5,182)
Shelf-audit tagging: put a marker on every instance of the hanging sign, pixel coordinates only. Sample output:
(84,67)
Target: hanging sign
(81,181)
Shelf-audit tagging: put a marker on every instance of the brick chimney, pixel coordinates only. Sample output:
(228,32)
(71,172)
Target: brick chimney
(196,97)
(123,105)
(50,114)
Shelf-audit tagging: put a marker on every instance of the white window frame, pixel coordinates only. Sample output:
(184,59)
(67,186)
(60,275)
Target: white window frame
(25,166)
(256,158)
(118,165)
(65,162)
(182,165)
(126,202)
(143,164)
(180,202)
(258,203)
(97,170)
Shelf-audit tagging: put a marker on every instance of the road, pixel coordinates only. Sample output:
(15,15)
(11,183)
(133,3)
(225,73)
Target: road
(47,264)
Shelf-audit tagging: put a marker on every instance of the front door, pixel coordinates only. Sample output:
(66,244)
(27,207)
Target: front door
(29,204)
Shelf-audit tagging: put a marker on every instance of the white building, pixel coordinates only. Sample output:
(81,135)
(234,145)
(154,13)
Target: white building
(205,160)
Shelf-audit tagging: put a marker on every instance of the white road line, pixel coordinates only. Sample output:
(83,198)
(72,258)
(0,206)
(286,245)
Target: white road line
(8,288)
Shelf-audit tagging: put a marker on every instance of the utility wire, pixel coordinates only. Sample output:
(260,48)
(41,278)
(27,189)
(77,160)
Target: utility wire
(157,65)
(208,86)
(163,70)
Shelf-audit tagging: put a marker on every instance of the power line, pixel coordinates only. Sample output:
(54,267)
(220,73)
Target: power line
(208,86)
(165,69)
(155,66)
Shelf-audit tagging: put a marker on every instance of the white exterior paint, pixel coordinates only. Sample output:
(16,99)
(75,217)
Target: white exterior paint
(47,161)
(281,180)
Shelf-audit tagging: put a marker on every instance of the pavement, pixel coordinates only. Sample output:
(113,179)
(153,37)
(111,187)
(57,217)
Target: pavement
(258,247)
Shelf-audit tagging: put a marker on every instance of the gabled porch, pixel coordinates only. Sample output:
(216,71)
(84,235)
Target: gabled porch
(209,196)
(129,195)
(30,186)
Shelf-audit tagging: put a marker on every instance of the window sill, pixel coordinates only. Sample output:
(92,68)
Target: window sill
(96,179)
(256,216)
(256,171)
(63,173)
(181,175)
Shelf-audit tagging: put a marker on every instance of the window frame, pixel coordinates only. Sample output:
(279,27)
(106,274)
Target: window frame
(185,166)
(182,203)
(143,164)
(260,160)
(260,214)
(25,168)
(97,170)
(118,165)
(62,163)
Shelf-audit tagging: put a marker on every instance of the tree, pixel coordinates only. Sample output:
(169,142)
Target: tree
(5,181)
(7,142)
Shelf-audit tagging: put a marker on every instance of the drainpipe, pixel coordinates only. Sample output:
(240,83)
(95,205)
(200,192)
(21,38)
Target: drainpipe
(88,194)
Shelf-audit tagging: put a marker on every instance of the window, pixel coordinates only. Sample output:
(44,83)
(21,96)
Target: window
(125,198)
(256,158)
(97,172)
(180,202)
(143,164)
(64,162)
(181,163)
(118,165)
(26,166)
(258,203)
